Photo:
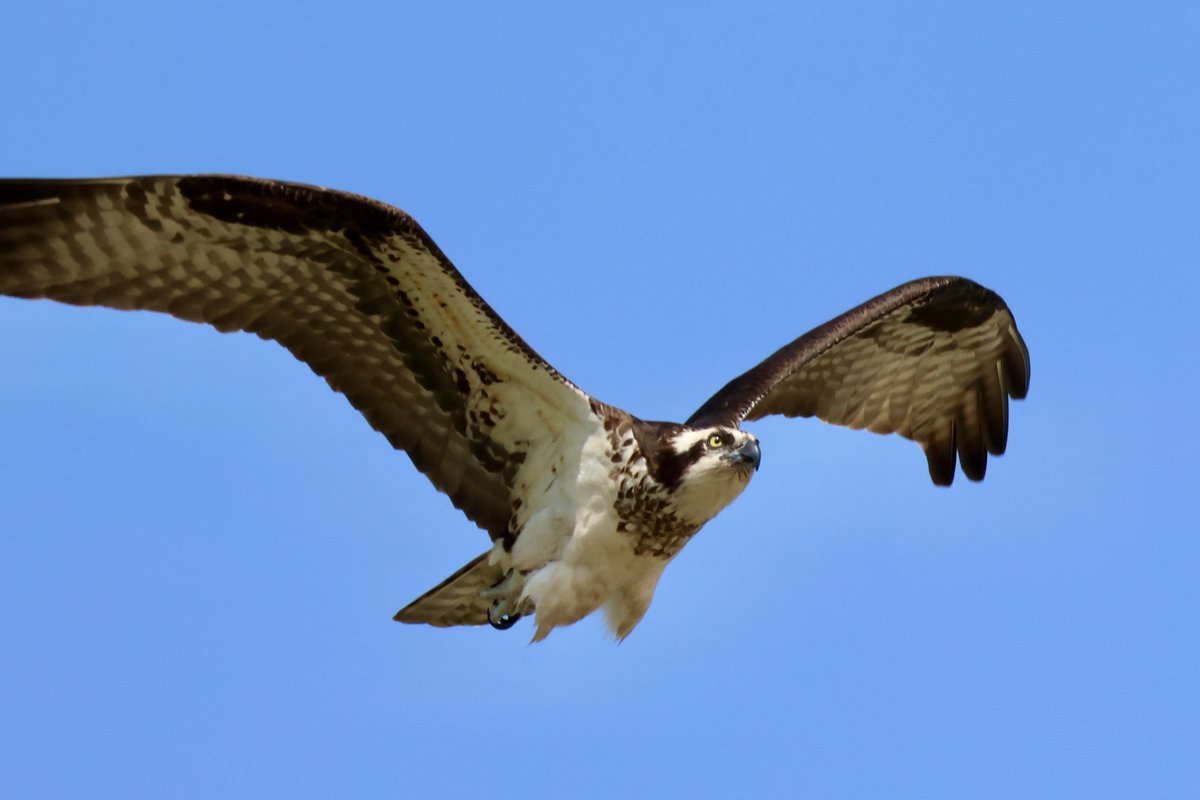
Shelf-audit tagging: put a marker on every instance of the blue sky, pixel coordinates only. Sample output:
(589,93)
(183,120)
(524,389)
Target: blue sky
(201,546)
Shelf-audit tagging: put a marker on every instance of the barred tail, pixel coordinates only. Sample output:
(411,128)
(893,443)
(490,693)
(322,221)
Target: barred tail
(456,600)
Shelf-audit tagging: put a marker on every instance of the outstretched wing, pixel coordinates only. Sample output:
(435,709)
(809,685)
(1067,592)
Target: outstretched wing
(350,286)
(934,360)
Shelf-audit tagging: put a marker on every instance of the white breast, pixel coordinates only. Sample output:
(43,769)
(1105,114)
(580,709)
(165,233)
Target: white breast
(574,557)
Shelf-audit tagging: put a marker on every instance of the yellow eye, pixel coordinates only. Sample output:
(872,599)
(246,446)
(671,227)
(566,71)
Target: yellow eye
(716,440)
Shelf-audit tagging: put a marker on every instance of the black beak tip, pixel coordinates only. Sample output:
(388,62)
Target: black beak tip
(751,453)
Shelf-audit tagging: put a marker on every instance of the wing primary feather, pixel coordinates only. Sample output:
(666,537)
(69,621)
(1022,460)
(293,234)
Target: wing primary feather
(939,452)
(1016,362)
(968,430)
(993,399)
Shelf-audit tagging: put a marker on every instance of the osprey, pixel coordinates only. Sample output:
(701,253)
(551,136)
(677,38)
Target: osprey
(585,503)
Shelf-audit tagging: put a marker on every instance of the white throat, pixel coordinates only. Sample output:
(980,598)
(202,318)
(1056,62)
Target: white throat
(702,494)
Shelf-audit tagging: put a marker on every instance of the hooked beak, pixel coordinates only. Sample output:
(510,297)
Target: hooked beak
(749,453)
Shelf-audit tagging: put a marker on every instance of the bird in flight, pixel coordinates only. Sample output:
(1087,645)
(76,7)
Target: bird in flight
(585,504)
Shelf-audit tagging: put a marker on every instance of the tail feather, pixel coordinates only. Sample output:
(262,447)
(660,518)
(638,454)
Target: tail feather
(456,600)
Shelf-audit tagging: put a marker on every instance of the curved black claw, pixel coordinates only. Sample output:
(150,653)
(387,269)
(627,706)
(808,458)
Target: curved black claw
(504,622)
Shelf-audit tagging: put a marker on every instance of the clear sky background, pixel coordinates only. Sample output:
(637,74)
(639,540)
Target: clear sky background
(201,546)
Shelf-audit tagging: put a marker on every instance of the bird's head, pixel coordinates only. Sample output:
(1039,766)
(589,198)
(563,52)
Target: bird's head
(704,468)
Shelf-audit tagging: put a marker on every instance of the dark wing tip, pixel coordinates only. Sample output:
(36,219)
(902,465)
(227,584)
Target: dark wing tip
(1016,365)
(941,463)
(980,426)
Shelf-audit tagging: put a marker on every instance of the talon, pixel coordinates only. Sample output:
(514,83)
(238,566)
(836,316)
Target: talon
(504,594)
(504,622)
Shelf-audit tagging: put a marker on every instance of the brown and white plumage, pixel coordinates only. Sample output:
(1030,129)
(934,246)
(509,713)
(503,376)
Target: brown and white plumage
(585,503)
(331,276)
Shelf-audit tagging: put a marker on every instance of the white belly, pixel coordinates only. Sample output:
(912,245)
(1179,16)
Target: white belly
(597,568)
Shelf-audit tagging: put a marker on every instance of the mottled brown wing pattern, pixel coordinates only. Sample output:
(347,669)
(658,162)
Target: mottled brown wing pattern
(934,360)
(353,287)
